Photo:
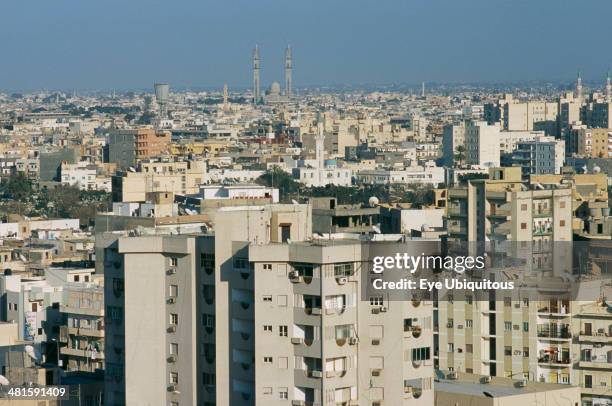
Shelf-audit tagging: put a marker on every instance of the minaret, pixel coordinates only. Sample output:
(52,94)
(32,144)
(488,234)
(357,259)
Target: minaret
(423,89)
(256,94)
(288,72)
(579,86)
(608,88)
(225,98)
(320,144)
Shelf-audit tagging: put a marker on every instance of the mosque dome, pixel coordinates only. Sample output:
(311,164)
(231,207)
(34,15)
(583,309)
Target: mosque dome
(275,89)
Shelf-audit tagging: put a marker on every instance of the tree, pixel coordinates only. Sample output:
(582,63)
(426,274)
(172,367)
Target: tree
(18,187)
(460,155)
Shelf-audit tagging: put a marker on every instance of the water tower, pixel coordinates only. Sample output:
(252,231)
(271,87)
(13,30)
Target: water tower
(162,90)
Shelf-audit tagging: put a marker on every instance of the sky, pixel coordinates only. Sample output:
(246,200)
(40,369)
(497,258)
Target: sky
(130,44)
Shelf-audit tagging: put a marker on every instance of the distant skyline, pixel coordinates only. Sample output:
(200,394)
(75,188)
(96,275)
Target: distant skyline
(70,44)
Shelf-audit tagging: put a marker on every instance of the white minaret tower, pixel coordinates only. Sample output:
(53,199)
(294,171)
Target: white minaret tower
(579,86)
(608,88)
(256,93)
(423,89)
(225,98)
(288,72)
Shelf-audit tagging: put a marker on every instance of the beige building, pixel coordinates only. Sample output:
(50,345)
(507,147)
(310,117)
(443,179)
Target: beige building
(161,175)
(590,142)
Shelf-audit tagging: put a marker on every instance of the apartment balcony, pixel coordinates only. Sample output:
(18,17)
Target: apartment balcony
(541,213)
(561,335)
(540,231)
(594,338)
(87,332)
(596,364)
(75,352)
(554,362)
(457,212)
(308,378)
(86,311)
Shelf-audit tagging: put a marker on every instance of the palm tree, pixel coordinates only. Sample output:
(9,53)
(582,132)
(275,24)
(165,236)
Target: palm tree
(460,155)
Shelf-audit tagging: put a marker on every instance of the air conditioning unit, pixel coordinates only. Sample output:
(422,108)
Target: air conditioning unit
(376,403)
(376,372)
(353,341)
(316,374)
(297,340)
(375,310)
(459,326)
(171,359)
(342,280)
(486,379)
(383,309)
(316,311)
(172,388)
(452,375)
(171,300)
(376,342)
(294,276)
(523,383)
(172,329)
(407,389)
(171,271)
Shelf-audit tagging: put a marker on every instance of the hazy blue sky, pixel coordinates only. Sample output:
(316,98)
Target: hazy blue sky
(91,44)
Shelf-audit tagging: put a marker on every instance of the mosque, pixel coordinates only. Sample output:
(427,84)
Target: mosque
(274,94)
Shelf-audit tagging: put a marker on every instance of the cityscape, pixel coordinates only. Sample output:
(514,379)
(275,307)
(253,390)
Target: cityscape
(414,241)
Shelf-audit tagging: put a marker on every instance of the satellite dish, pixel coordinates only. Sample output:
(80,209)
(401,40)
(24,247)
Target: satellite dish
(32,352)
(376,229)
(596,169)
(294,201)
(131,169)
(373,201)
(4,381)
(190,212)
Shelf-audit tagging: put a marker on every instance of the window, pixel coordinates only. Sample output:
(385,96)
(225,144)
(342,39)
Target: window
(77,278)
(173,289)
(267,298)
(469,348)
(173,319)
(421,354)
(174,377)
(508,351)
(450,323)
(343,269)
(469,323)
(523,226)
(468,299)
(282,331)
(507,326)
(525,326)
(562,205)
(507,302)
(267,267)
(267,360)
(173,348)
(376,301)
(588,381)
(523,207)
(241,263)
(526,352)
(526,302)
(283,393)
(173,261)
(561,223)
(450,347)
(208,320)
(267,390)
(267,328)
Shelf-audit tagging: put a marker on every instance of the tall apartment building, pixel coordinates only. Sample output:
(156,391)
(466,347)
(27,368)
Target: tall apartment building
(179,309)
(258,315)
(319,343)
(540,156)
(127,147)
(453,137)
(482,144)
(523,116)
(590,142)
(569,113)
